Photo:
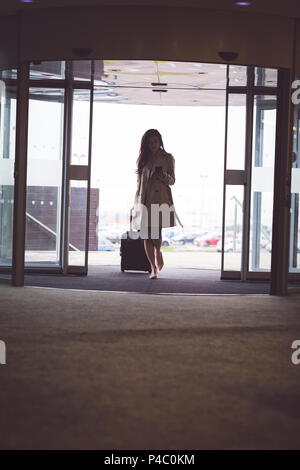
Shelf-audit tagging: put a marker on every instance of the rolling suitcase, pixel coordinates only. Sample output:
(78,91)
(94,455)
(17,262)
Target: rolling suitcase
(132,252)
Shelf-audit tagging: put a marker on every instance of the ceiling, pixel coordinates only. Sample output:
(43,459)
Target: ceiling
(289,8)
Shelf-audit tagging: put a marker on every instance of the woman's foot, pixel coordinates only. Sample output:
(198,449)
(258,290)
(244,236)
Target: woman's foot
(159,260)
(153,274)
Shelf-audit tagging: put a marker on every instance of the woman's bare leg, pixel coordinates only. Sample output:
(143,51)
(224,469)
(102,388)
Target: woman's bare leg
(149,249)
(158,254)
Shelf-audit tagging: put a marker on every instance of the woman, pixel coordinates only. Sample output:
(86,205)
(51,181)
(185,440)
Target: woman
(155,170)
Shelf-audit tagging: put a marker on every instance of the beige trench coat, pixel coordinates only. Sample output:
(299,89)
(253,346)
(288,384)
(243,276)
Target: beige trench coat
(153,189)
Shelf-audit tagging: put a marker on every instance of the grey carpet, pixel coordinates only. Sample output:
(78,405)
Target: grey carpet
(90,370)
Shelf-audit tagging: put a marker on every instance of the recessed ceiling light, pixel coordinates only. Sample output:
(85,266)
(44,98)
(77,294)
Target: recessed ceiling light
(243,4)
(26,1)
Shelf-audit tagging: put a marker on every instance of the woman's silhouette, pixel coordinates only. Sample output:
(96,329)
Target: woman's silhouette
(156,172)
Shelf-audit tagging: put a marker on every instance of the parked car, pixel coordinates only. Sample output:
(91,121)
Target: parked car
(165,242)
(113,234)
(199,240)
(184,238)
(168,235)
(209,239)
(229,245)
(105,245)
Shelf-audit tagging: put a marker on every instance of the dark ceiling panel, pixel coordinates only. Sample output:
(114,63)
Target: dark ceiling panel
(290,8)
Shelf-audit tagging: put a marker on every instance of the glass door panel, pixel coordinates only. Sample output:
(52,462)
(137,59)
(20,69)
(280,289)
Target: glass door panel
(265,77)
(80,127)
(8,90)
(44,177)
(234,186)
(237,75)
(47,70)
(294,259)
(234,203)
(236,132)
(262,182)
(249,175)
(82,70)
(295,221)
(78,182)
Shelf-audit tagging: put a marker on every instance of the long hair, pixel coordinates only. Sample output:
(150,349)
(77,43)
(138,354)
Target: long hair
(144,154)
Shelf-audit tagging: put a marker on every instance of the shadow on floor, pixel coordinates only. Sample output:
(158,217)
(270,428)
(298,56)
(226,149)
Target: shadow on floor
(170,280)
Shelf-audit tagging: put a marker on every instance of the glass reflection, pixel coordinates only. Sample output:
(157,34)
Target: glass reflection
(49,69)
(265,77)
(8,91)
(237,75)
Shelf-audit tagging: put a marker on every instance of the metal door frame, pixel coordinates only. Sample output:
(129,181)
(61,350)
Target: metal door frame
(75,172)
(242,177)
